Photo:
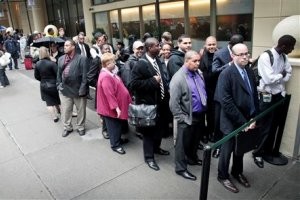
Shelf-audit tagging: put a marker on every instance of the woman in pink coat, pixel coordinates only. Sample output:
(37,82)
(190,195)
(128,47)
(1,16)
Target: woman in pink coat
(113,100)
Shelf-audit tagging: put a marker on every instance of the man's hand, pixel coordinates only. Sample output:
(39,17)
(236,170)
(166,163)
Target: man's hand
(251,126)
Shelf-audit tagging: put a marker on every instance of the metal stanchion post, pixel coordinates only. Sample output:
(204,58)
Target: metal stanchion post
(205,173)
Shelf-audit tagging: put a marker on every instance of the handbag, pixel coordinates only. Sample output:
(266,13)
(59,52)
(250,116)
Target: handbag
(246,141)
(142,115)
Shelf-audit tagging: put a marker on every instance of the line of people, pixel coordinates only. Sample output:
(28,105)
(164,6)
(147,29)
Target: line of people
(208,94)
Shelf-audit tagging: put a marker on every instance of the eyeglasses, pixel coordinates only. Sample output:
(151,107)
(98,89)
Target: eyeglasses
(242,54)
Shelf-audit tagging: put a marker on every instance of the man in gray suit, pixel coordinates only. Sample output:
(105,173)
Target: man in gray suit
(72,84)
(188,103)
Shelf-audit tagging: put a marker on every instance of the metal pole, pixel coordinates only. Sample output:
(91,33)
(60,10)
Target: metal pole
(9,11)
(205,173)
(157,13)
(26,7)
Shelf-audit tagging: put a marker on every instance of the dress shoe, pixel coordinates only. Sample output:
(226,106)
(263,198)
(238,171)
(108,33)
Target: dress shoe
(56,119)
(124,141)
(216,153)
(162,152)
(187,175)
(152,164)
(259,161)
(74,114)
(204,139)
(105,134)
(81,132)
(66,133)
(200,146)
(242,180)
(119,150)
(139,135)
(228,185)
(194,162)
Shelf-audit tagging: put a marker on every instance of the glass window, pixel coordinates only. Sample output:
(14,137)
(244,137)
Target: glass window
(149,19)
(95,2)
(130,22)
(101,22)
(234,17)
(199,17)
(172,18)
(114,25)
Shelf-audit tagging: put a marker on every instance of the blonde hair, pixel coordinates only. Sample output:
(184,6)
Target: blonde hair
(43,53)
(106,58)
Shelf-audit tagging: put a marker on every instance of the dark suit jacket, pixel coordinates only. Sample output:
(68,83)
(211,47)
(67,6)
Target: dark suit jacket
(87,50)
(235,99)
(75,85)
(145,88)
(221,58)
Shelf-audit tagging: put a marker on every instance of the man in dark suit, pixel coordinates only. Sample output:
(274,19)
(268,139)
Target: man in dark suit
(81,47)
(150,87)
(239,103)
(72,84)
(220,59)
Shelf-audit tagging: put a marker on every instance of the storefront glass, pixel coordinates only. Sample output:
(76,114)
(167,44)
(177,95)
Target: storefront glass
(130,22)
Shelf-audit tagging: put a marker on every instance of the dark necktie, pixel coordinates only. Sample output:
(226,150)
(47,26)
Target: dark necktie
(162,90)
(247,84)
(200,92)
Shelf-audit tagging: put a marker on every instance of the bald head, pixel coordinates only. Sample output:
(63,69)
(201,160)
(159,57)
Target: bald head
(191,60)
(211,44)
(240,54)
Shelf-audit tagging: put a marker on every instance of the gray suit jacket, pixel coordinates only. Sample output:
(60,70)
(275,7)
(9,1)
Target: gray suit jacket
(181,97)
(75,84)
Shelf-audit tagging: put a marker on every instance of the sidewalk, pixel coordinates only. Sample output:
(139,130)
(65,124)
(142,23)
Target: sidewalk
(37,163)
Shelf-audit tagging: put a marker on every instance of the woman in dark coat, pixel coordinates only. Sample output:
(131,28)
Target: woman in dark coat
(45,71)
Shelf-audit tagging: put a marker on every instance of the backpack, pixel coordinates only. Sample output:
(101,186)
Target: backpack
(254,65)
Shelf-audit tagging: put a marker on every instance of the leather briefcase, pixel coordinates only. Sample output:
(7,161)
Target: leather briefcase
(142,115)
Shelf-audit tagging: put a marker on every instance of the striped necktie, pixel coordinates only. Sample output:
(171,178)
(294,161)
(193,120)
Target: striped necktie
(162,90)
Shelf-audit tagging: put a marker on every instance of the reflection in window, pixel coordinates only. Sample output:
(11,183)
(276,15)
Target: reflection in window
(172,18)
(149,19)
(130,22)
(234,17)
(101,22)
(114,25)
(199,14)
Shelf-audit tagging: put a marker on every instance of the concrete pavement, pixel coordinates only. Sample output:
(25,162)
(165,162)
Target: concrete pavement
(37,163)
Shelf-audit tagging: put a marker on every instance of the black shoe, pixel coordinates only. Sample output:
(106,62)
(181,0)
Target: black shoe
(228,185)
(242,180)
(66,133)
(200,146)
(119,150)
(216,153)
(105,134)
(194,162)
(139,135)
(89,97)
(204,139)
(56,119)
(124,141)
(187,175)
(162,152)
(81,132)
(259,161)
(152,164)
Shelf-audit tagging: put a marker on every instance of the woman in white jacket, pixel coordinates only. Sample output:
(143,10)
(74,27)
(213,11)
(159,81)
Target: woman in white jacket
(4,61)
